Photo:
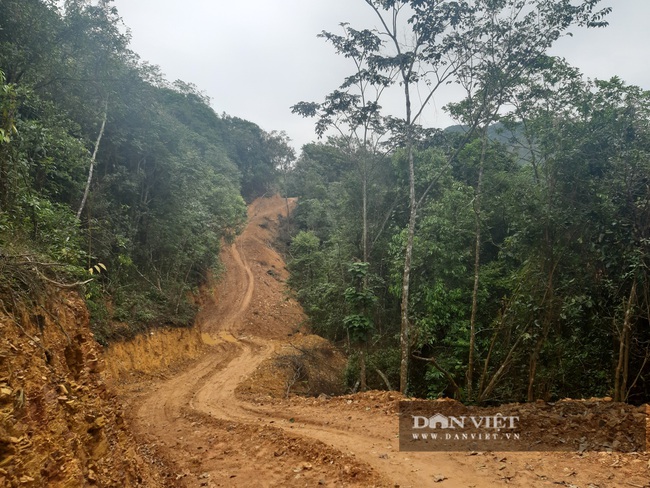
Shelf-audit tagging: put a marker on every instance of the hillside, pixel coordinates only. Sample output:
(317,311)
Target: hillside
(188,300)
(225,420)
(60,425)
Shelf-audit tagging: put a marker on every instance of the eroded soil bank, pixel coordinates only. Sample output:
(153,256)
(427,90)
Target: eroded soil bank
(209,406)
(224,420)
(60,426)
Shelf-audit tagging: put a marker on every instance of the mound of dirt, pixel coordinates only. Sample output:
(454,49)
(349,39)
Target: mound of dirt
(59,424)
(306,365)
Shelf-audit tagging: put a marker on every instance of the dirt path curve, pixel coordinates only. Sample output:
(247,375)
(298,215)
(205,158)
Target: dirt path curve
(212,438)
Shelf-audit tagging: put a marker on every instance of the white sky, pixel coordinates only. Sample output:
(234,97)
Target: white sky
(256,58)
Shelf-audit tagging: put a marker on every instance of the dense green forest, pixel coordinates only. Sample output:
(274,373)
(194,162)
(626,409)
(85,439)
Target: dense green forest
(505,258)
(106,167)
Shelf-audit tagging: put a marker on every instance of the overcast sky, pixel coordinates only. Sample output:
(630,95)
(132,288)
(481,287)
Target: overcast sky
(256,58)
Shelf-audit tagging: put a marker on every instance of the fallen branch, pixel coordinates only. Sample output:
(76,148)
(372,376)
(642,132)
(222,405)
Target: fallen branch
(45,265)
(65,285)
(385,378)
(442,370)
(35,265)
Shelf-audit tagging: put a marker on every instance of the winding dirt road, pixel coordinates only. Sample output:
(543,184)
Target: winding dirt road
(211,436)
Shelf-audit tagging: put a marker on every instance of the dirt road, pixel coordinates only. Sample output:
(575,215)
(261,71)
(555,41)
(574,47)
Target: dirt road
(211,436)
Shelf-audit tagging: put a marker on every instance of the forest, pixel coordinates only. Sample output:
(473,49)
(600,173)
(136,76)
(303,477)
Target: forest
(502,259)
(109,172)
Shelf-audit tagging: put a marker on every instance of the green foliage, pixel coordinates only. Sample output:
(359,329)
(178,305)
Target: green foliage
(565,239)
(563,292)
(316,284)
(168,175)
(360,299)
(258,156)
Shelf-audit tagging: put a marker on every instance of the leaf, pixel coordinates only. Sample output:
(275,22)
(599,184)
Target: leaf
(97,268)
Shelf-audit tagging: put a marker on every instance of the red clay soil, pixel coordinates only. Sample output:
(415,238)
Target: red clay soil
(60,426)
(210,433)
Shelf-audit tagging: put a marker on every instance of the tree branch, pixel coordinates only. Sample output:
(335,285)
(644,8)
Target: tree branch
(442,370)
(92,162)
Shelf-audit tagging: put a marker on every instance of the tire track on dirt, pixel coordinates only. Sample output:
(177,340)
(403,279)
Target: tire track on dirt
(196,422)
(196,410)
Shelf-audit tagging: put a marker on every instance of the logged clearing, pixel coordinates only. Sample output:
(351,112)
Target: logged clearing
(230,418)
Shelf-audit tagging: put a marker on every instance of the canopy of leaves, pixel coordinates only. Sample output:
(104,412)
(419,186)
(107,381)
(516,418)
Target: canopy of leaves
(561,171)
(169,172)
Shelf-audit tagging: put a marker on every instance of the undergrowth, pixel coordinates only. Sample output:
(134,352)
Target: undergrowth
(28,280)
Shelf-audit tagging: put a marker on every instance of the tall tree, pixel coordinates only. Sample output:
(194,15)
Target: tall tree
(427,43)
(510,41)
(353,111)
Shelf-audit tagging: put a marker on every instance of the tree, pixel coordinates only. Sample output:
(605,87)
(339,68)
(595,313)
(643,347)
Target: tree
(360,298)
(92,162)
(161,188)
(7,131)
(376,70)
(283,156)
(427,43)
(509,43)
(248,147)
(353,111)
(485,47)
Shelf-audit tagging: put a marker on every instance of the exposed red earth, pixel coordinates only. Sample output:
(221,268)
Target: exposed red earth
(223,419)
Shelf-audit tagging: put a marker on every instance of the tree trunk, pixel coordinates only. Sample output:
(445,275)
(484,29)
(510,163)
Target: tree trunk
(92,163)
(547,302)
(4,178)
(626,363)
(622,367)
(385,378)
(532,368)
(484,393)
(362,368)
(406,279)
(477,265)
(486,362)
(364,198)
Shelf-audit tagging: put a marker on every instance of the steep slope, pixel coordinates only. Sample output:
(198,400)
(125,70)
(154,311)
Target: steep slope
(216,434)
(192,419)
(59,424)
